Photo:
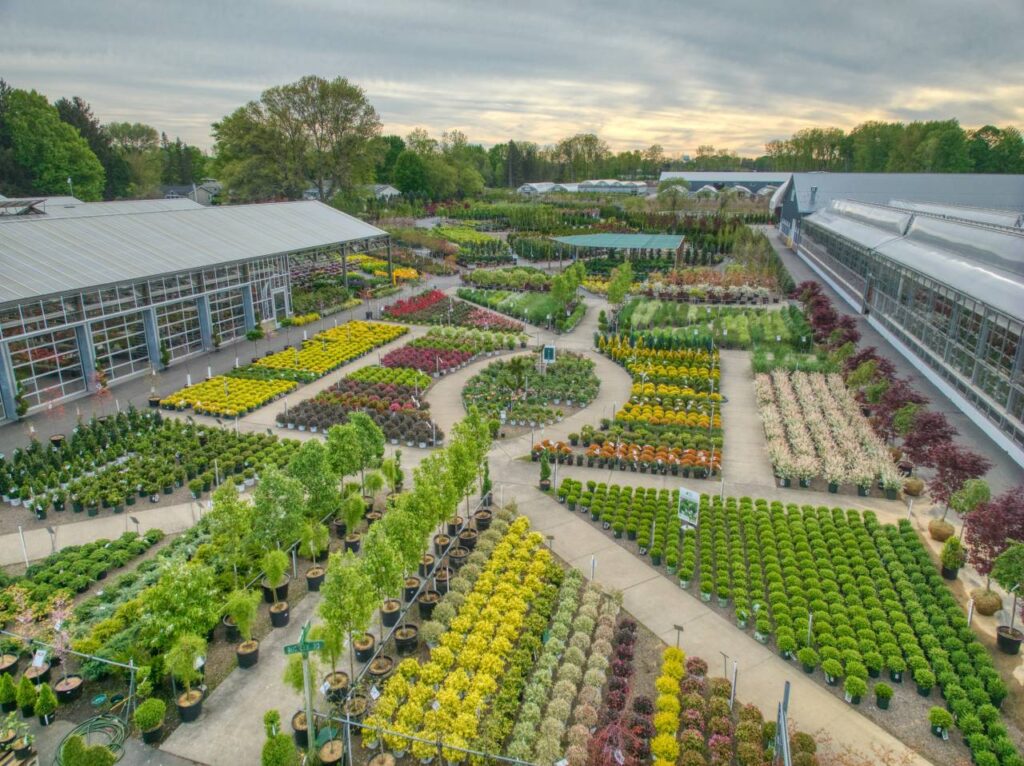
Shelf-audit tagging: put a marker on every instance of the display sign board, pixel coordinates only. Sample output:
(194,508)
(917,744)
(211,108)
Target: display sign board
(549,354)
(689,507)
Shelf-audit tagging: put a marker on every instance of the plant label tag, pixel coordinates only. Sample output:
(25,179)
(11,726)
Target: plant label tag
(619,757)
(945,735)
(39,658)
(848,697)
(324,687)
(374,692)
(435,705)
(57,625)
(200,661)
(563,762)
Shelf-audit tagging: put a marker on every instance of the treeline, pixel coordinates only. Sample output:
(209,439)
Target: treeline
(937,146)
(43,145)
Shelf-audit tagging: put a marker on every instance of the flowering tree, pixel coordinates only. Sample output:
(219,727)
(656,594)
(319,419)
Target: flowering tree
(953,466)
(990,528)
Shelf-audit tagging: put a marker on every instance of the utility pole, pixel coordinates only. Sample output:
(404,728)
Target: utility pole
(304,647)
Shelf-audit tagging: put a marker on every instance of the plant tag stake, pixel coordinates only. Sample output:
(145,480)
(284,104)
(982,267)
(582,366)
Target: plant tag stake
(435,705)
(374,692)
(848,697)
(39,658)
(324,687)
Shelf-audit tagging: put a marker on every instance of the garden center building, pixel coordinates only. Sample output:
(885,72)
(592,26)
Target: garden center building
(945,284)
(108,288)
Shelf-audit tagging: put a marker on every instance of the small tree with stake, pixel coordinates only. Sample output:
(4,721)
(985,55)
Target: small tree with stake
(347,602)
(383,566)
(1009,572)
(182,661)
(988,531)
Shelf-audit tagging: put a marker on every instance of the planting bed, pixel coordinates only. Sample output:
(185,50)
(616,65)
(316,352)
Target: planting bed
(434,307)
(392,396)
(532,307)
(444,349)
(689,326)
(329,349)
(815,428)
(115,462)
(518,393)
(226,396)
(879,606)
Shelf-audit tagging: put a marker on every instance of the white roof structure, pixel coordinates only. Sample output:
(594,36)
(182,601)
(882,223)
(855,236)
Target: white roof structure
(727,177)
(33,205)
(536,187)
(47,256)
(1010,219)
(707,189)
(983,262)
(119,207)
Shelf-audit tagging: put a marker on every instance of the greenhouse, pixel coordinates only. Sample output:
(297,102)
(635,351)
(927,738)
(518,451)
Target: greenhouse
(949,290)
(90,299)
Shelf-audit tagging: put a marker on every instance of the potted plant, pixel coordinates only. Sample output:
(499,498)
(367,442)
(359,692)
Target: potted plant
(275,567)
(23,741)
(1008,571)
(315,539)
(9,731)
(833,670)
(925,680)
(242,607)
(26,697)
(46,705)
(184,662)
(808,658)
(545,472)
(8,693)
(883,693)
(149,717)
(855,688)
(364,646)
(940,720)
(897,667)
(952,557)
(352,509)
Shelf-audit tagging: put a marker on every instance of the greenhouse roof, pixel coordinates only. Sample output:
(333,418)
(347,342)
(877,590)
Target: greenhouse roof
(47,256)
(625,241)
(983,262)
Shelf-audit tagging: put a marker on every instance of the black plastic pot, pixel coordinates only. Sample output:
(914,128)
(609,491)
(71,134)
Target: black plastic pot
(453,526)
(426,564)
(412,584)
(23,752)
(364,654)
(301,736)
(340,529)
(428,600)
(152,736)
(337,685)
(440,543)
(231,631)
(279,619)
(72,688)
(950,574)
(482,519)
(458,557)
(352,544)
(406,644)
(1008,639)
(390,618)
(315,578)
(189,713)
(467,539)
(248,659)
(883,704)
(281,591)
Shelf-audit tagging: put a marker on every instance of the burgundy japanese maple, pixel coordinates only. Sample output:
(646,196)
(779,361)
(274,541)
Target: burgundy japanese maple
(929,431)
(991,527)
(953,466)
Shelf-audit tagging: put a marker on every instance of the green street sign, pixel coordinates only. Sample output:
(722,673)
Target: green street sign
(303,647)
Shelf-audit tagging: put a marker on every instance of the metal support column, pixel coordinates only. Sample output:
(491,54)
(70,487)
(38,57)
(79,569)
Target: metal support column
(979,348)
(8,385)
(205,321)
(86,355)
(152,337)
(344,266)
(248,307)
(391,277)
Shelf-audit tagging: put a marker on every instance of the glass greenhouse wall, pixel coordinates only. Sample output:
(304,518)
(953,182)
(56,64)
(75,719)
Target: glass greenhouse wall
(971,344)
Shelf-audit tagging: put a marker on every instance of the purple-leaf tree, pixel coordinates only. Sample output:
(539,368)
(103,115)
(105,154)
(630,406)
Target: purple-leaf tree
(953,466)
(990,528)
(60,614)
(929,430)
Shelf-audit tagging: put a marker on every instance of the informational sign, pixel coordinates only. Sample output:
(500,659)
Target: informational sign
(548,356)
(689,507)
(303,647)
(324,688)
(39,658)
(374,692)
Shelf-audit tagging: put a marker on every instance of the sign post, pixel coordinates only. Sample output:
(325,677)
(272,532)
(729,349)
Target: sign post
(689,507)
(304,647)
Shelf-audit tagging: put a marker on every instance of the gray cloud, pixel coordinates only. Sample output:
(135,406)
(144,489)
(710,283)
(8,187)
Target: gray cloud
(735,73)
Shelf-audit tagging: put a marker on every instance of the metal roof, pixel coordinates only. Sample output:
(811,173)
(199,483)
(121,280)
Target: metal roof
(983,262)
(726,177)
(43,257)
(625,241)
(1011,219)
(119,207)
(985,190)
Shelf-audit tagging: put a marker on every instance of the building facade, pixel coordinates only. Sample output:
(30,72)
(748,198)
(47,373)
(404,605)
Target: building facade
(92,300)
(947,287)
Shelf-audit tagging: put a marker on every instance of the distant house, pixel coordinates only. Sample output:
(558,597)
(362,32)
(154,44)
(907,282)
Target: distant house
(204,193)
(385,192)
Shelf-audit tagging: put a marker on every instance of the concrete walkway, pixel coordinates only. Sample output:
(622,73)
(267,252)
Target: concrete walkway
(746,452)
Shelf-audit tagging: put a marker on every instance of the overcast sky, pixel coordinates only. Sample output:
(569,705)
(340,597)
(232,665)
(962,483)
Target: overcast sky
(733,73)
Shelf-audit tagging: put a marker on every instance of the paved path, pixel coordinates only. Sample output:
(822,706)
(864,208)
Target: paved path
(746,452)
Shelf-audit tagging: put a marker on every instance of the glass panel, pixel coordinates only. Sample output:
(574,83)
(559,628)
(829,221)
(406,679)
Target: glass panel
(227,315)
(48,366)
(178,327)
(119,344)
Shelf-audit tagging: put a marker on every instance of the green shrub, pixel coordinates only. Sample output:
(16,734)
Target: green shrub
(150,714)
(940,718)
(883,691)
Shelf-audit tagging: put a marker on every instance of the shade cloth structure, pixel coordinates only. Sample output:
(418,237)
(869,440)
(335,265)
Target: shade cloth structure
(624,241)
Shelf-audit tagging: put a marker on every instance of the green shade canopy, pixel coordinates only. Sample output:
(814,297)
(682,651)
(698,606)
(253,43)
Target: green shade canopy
(625,241)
